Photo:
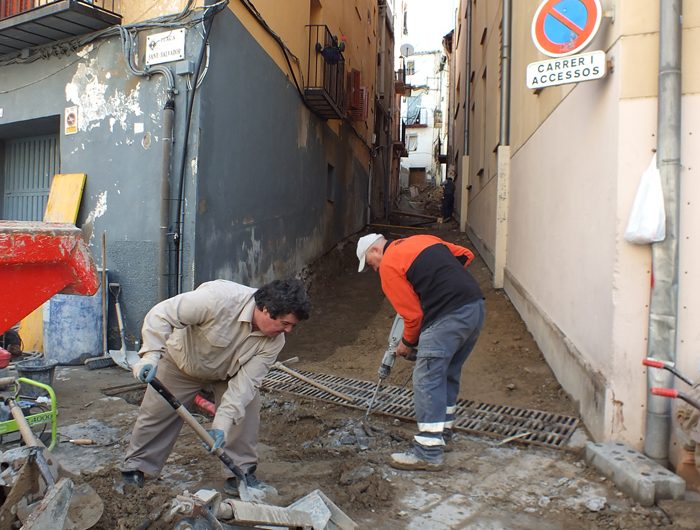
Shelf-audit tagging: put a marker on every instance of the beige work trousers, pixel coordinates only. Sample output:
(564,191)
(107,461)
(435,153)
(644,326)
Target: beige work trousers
(158,425)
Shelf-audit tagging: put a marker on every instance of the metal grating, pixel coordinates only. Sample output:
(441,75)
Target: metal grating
(527,426)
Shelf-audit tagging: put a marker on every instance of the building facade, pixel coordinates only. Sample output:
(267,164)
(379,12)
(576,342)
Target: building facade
(220,139)
(546,178)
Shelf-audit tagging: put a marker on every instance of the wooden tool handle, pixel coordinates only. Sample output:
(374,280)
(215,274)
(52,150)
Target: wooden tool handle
(24,429)
(318,385)
(198,429)
(7,381)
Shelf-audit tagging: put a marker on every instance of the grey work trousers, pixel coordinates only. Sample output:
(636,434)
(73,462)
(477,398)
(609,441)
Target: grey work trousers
(443,348)
(158,425)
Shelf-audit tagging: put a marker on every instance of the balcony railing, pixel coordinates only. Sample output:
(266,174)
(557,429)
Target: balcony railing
(325,80)
(400,86)
(29,23)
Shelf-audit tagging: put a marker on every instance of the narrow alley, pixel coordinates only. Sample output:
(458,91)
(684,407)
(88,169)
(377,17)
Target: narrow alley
(180,180)
(309,444)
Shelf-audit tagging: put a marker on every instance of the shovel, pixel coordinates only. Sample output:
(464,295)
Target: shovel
(122,357)
(243,492)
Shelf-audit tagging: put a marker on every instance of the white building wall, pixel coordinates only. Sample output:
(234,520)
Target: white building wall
(429,82)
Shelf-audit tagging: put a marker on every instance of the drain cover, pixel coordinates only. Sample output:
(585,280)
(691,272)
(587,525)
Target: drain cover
(522,425)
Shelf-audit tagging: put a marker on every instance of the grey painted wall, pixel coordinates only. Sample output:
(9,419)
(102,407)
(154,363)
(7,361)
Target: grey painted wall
(117,145)
(255,204)
(262,208)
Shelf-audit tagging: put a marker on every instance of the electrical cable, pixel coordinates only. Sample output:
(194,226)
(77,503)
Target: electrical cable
(285,49)
(72,45)
(177,233)
(287,52)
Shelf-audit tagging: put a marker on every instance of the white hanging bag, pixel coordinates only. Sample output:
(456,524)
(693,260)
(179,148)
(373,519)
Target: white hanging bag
(647,222)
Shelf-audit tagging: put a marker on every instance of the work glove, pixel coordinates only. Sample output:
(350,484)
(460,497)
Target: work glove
(144,369)
(218,436)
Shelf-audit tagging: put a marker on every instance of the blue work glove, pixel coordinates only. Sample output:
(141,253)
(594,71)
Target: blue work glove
(145,368)
(218,436)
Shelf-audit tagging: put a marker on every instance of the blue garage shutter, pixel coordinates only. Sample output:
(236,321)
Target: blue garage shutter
(30,164)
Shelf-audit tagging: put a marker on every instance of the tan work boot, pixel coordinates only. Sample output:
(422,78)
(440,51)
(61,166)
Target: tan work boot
(410,462)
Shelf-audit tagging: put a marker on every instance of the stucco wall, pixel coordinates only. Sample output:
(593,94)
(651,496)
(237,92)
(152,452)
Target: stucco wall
(117,145)
(562,223)
(256,202)
(355,20)
(578,152)
(262,208)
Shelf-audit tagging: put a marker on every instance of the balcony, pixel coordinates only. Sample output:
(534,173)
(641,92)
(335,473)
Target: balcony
(325,80)
(400,85)
(29,23)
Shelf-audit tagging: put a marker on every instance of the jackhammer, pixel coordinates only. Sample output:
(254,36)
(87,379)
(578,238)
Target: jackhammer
(388,359)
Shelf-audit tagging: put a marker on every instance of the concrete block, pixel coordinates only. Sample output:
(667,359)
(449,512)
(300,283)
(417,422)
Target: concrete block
(634,473)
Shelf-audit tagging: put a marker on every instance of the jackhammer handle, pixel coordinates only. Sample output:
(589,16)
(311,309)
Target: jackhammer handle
(665,392)
(685,397)
(198,429)
(653,363)
(666,365)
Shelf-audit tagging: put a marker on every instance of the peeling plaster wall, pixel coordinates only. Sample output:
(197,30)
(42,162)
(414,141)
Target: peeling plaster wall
(256,203)
(117,144)
(262,208)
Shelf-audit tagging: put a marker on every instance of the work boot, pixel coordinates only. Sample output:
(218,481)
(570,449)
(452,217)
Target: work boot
(449,438)
(231,484)
(410,462)
(133,478)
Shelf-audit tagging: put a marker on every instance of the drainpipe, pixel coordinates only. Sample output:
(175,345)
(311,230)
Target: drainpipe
(504,138)
(467,86)
(663,307)
(129,44)
(163,254)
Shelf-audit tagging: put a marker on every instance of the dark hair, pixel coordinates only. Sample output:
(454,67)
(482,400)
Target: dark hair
(282,297)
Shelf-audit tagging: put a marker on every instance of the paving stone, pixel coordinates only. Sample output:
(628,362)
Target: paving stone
(634,473)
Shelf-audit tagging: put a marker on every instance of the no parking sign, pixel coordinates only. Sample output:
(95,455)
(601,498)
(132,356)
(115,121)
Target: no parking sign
(564,27)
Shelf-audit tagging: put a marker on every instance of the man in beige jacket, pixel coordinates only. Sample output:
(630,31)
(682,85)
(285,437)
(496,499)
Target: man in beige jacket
(223,337)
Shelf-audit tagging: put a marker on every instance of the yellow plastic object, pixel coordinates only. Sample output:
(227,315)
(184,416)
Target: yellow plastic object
(9,426)
(62,207)
(64,198)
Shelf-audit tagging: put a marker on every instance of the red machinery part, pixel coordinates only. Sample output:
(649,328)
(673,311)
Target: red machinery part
(204,405)
(38,260)
(5,357)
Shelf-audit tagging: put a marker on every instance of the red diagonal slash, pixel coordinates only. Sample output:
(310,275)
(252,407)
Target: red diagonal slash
(568,23)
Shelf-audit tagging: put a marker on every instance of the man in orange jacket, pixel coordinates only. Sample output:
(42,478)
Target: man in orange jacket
(426,281)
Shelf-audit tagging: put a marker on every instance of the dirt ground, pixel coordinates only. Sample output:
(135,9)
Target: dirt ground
(308,444)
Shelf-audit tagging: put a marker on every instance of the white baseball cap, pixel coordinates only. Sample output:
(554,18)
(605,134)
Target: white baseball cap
(363,245)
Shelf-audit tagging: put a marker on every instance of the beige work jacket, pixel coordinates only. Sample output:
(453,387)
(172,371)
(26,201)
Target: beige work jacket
(208,333)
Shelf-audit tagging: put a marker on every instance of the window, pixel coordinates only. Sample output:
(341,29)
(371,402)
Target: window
(412,142)
(410,67)
(413,108)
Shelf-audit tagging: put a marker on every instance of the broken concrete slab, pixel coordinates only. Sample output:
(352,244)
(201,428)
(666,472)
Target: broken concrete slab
(323,511)
(634,473)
